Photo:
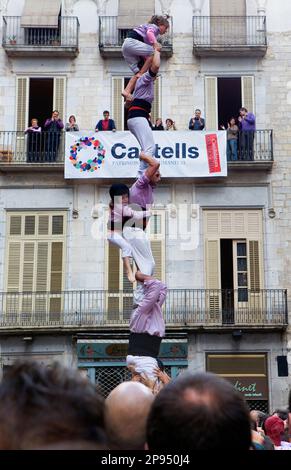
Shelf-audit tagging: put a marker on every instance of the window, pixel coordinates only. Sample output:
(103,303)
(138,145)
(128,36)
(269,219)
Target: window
(35,265)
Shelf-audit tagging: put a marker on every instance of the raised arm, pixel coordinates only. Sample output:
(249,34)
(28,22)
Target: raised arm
(156,62)
(136,215)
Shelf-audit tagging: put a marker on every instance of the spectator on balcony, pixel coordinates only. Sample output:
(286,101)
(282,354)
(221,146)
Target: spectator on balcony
(170,125)
(105,124)
(72,125)
(33,141)
(139,46)
(197,123)
(158,125)
(232,139)
(53,127)
(247,125)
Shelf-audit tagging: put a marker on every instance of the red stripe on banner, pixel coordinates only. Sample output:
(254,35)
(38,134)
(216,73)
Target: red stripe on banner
(213,153)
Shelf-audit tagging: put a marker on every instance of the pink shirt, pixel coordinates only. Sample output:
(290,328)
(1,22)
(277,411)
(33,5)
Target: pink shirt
(119,212)
(141,192)
(147,317)
(149,32)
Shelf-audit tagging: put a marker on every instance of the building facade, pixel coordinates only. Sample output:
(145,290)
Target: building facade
(63,293)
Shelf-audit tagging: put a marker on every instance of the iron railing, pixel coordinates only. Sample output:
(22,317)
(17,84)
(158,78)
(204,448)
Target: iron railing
(229,31)
(111,36)
(66,35)
(252,146)
(36,147)
(182,308)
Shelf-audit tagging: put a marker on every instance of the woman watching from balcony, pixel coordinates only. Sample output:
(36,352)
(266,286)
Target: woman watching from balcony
(72,126)
(33,141)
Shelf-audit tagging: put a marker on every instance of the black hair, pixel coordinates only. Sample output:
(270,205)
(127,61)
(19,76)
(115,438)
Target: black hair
(118,189)
(199,412)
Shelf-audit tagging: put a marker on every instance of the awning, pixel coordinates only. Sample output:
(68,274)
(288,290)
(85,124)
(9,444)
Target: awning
(134,12)
(40,13)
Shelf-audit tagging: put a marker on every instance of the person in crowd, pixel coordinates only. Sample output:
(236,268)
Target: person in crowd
(232,140)
(274,427)
(199,412)
(140,108)
(257,420)
(139,47)
(33,141)
(72,125)
(247,126)
(105,124)
(197,123)
(126,412)
(158,125)
(147,327)
(170,125)
(47,406)
(53,127)
(120,213)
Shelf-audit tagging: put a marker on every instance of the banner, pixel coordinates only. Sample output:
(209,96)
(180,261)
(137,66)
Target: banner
(182,154)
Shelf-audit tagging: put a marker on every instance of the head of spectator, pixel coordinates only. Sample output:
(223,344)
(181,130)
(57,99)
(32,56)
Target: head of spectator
(199,412)
(197,114)
(34,122)
(231,122)
(274,427)
(106,115)
(55,115)
(72,124)
(258,417)
(159,122)
(43,406)
(126,412)
(105,124)
(170,125)
(197,123)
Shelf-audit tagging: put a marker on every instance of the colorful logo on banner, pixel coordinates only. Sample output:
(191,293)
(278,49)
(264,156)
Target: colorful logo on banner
(94,162)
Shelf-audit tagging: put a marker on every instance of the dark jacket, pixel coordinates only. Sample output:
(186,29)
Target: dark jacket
(111,125)
(197,126)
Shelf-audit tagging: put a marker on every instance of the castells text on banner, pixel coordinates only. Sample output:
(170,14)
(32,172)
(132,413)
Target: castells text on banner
(116,154)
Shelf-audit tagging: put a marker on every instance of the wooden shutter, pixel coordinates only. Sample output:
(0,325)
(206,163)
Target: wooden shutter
(156,109)
(60,96)
(117,102)
(211,113)
(157,237)
(213,278)
(113,274)
(13,271)
(254,264)
(247,87)
(22,103)
(134,12)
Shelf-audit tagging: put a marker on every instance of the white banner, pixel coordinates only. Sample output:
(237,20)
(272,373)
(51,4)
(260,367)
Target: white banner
(116,154)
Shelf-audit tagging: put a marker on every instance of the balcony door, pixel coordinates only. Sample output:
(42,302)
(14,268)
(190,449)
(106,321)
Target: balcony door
(225,31)
(224,96)
(234,265)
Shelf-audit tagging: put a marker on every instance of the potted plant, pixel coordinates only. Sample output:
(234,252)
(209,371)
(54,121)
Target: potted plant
(12,39)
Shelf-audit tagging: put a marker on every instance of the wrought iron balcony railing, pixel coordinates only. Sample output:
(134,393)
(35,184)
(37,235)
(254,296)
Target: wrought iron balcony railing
(230,33)
(111,37)
(36,147)
(186,308)
(17,37)
(49,147)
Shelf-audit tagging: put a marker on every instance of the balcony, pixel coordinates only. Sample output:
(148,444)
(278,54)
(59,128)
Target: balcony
(185,309)
(229,36)
(254,151)
(111,38)
(20,41)
(37,150)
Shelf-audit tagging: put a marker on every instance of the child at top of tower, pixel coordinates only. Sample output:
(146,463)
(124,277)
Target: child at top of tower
(140,45)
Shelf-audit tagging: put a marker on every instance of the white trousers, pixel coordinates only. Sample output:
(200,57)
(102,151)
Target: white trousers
(141,130)
(142,255)
(117,239)
(133,50)
(143,365)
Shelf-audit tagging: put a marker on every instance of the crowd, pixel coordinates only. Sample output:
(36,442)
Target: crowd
(58,408)
(240,133)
